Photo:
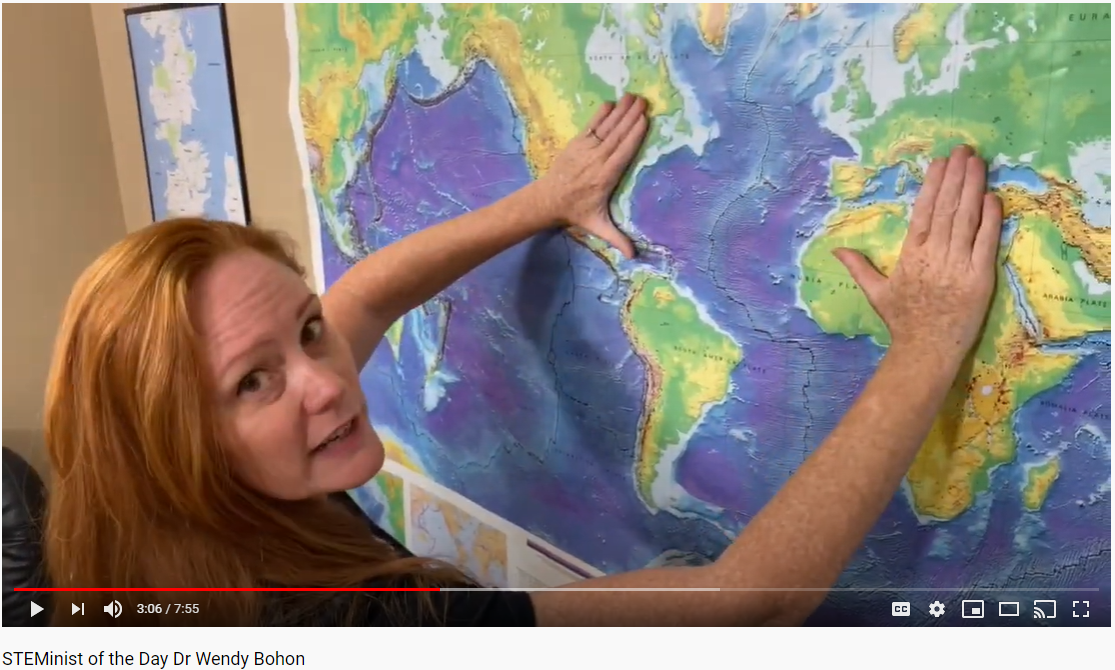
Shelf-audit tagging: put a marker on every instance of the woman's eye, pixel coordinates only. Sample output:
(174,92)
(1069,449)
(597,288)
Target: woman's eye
(313,329)
(251,383)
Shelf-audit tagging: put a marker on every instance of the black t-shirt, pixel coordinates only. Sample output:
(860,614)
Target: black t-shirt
(472,607)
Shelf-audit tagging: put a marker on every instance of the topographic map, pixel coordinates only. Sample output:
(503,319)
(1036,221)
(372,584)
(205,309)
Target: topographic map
(183,84)
(639,412)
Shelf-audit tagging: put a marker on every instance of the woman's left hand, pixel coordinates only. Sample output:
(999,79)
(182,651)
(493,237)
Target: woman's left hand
(584,175)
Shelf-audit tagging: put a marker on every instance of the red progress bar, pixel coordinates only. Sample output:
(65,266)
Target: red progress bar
(84,590)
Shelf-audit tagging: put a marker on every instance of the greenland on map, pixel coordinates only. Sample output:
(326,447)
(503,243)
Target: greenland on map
(635,413)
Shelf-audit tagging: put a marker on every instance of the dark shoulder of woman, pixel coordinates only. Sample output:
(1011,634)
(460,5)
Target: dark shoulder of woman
(465,605)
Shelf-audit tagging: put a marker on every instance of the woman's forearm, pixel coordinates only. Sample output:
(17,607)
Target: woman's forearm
(809,531)
(804,536)
(403,275)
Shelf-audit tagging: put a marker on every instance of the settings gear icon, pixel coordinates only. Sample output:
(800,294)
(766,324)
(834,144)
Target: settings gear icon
(937,608)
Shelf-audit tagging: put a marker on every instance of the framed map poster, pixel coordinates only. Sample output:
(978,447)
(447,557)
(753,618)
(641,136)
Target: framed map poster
(187,111)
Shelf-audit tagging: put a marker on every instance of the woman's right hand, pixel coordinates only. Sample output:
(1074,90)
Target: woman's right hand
(585,174)
(937,298)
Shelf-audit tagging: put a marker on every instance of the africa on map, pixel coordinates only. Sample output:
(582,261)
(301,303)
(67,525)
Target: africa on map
(630,413)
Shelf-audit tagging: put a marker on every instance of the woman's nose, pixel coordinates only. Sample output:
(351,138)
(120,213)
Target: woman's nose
(323,387)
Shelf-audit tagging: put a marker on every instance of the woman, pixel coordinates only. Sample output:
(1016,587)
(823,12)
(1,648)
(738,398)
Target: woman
(204,416)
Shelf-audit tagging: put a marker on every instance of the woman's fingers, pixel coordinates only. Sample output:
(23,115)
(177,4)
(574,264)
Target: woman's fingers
(922,217)
(969,210)
(948,199)
(602,113)
(627,147)
(623,128)
(607,124)
(605,228)
(985,249)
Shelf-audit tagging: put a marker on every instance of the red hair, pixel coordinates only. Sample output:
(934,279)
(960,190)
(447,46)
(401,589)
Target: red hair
(142,494)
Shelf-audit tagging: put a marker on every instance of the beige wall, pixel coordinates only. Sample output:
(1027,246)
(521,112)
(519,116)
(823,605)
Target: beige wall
(261,70)
(76,171)
(61,197)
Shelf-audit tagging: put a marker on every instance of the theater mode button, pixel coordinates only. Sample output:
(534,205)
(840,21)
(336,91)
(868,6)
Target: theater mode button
(900,609)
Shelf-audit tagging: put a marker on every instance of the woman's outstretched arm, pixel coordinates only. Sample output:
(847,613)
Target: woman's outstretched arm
(934,305)
(576,191)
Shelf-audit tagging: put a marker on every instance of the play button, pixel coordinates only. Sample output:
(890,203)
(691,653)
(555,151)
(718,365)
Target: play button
(35,609)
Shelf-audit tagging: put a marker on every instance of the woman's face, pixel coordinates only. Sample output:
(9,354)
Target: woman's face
(287,388)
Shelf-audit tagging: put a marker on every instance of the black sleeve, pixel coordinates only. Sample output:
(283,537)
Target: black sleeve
(24,505)
(470,607)
(489,608)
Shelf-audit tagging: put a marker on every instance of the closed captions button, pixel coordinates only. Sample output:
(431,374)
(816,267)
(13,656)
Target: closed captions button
(900,609)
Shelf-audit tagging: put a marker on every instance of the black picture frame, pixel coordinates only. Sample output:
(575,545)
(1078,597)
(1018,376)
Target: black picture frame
(229,78)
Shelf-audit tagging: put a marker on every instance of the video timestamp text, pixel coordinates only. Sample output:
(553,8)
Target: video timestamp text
(169,608)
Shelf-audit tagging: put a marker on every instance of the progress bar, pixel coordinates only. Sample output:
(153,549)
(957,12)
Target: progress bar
(888,590)
(820,590)
(563,590)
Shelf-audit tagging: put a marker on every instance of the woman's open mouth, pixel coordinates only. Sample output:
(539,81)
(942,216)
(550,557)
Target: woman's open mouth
(336,437)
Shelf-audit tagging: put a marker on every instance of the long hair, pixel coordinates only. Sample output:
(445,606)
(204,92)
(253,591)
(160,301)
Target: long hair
(142,494)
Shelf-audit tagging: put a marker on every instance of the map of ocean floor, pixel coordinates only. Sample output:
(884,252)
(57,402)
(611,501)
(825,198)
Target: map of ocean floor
(803,63)
(1087,412)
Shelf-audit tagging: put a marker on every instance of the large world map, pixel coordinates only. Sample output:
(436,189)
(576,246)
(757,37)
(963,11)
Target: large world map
(632,413)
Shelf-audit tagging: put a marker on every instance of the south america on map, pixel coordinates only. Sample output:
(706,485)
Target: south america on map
(638,412)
